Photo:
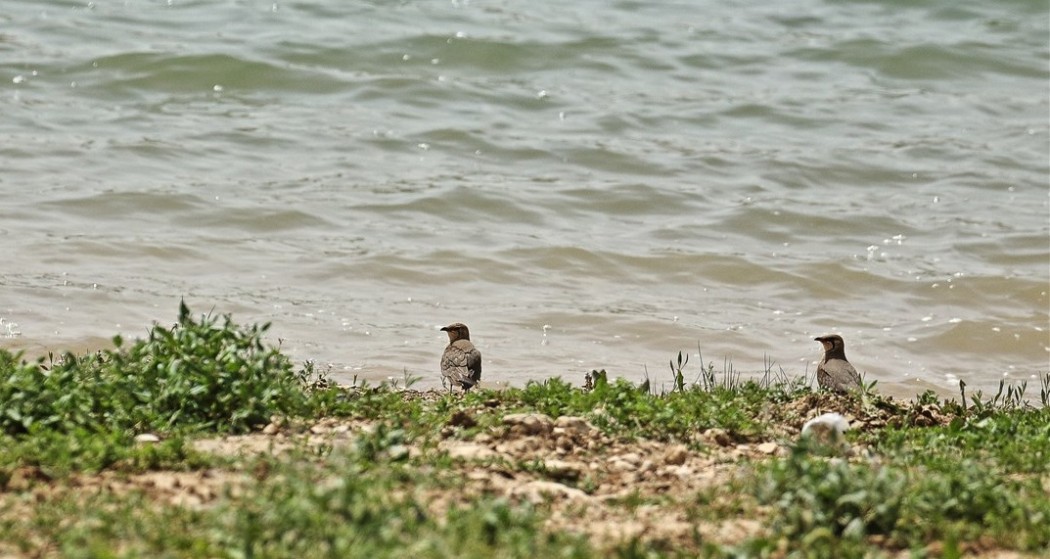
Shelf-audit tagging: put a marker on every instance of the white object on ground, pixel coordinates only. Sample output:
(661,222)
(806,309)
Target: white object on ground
(829,428)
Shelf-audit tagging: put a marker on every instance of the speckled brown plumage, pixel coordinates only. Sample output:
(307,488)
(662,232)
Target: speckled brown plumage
(461,361)
(834,372)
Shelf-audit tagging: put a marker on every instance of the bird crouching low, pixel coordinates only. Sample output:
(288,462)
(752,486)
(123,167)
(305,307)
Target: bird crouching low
(834,372)
(461,361)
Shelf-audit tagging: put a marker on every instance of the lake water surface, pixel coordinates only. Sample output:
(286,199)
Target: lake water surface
(585,184)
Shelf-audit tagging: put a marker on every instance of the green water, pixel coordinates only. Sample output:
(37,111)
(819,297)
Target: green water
(586,185)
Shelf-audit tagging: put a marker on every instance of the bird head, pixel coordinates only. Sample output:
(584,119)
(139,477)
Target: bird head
(457,331)
(833,344)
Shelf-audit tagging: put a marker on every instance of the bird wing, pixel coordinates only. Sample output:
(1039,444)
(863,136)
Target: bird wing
(843,369)
(841,375)
(461,363)
(474,364)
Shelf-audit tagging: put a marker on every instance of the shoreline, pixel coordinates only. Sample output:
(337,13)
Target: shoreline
(206,428)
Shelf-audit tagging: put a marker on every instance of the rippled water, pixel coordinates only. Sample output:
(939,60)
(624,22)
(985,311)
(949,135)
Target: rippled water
(586,184)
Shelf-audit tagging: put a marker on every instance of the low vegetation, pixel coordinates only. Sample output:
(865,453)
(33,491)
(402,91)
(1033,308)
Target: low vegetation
(203,441)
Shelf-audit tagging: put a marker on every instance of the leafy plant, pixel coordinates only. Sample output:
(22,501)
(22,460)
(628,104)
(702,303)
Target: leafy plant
(928,492)
(679,376)
(202,374)
(821,499)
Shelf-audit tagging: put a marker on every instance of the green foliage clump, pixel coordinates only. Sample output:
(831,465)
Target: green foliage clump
(822,504)
(621,407)
(1016,441)
(831,507)
(201,374)
(58,453)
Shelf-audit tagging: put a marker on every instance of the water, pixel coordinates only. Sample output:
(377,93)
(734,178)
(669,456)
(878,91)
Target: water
(586,185)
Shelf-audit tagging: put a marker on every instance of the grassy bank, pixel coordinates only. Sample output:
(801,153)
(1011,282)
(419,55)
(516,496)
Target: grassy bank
(202,441)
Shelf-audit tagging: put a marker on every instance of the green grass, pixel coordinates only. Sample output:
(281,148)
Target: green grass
(621,408)
(58,454)
(1013,442)
(353,504)
(975,482)
(978,482)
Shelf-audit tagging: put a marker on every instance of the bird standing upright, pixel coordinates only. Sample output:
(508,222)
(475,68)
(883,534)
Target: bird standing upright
(834,372)
(461,361)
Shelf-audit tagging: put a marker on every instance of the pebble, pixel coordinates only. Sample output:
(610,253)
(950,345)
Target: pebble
(767,448)
(530,423)
(676,455)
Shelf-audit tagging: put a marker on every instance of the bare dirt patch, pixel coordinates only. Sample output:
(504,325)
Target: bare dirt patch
(608,489)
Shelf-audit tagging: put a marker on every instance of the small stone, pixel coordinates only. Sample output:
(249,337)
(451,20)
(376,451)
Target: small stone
(144,438)
(574,426)
(539,491)
(479,475)
(718,436)
(164,481)
(206,493)
(271,429)
(631,458)
(467,451)
(683,472)
(767,448)
(398,452)
(530,423)
(676,455)
(563,470)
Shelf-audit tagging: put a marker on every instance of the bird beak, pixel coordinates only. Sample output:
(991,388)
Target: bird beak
(444,329)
